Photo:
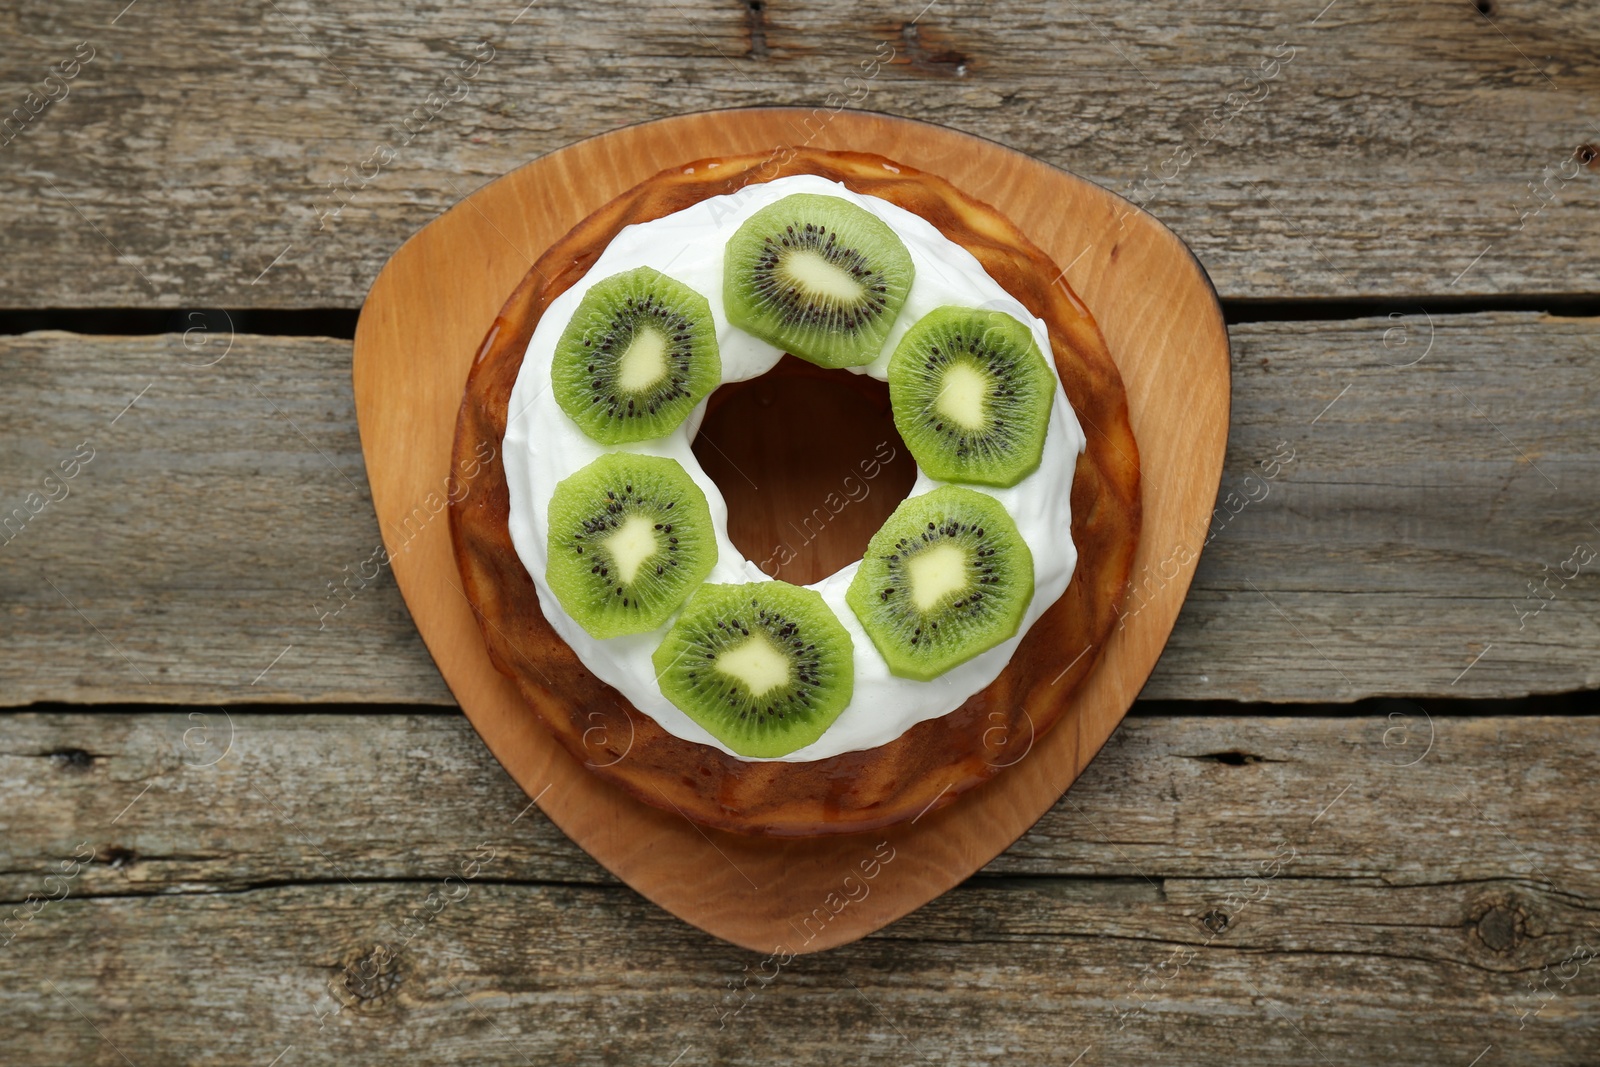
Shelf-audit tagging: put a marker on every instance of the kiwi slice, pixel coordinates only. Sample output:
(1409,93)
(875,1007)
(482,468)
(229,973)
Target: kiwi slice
(638,355)
(971,395)
(764,667)
(947,577)
(630,538)
(817,276)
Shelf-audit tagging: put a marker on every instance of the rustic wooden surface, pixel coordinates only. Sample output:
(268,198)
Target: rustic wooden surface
(1435,913)
(1406,903)
(238,493)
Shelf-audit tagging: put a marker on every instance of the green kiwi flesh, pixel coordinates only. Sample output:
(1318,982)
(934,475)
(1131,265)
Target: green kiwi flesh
(971,395)
(818,277)
(638,355)
(764,667)
(947,577)
(630,538)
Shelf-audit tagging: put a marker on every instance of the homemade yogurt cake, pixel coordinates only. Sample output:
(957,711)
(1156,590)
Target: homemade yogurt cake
(594,547)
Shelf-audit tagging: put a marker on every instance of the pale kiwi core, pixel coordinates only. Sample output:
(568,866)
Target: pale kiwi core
(632,546)
(756,665)
(644,363)
(962,395)
(815,274)
(936,573)
(542,446)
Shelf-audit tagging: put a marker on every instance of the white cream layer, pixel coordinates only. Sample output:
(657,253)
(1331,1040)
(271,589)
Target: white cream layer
(542,446)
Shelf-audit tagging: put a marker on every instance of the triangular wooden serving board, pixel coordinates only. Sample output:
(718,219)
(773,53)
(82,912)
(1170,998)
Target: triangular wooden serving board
(424,321)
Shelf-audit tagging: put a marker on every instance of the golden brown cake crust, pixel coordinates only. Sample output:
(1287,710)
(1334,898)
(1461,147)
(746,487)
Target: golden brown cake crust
(934,761)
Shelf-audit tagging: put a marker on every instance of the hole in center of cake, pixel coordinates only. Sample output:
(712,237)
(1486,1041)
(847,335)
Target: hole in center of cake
(810,464)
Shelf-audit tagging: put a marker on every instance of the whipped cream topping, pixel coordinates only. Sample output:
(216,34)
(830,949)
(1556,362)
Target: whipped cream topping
(542,446)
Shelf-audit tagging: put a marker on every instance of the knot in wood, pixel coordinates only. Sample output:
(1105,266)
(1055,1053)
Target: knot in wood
(929,54)
(368,976)
(1502,926)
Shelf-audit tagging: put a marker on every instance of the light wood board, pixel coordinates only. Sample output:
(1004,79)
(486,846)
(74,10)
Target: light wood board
(426,318)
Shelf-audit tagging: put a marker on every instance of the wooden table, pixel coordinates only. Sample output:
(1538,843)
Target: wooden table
(1340,827)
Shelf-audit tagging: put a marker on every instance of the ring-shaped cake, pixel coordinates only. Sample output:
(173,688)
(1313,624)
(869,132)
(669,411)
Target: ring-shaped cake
(543,446)
(934,760)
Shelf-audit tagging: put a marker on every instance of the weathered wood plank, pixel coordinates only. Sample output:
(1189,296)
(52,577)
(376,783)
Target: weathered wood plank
(217,545)
(1300,151)
(187,801)
(1444,472)
(1420,912)
(594,976)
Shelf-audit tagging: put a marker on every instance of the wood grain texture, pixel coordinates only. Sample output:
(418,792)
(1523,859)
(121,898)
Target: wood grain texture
(410,370)
(1419,913)
(204,143)
(1399,543)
